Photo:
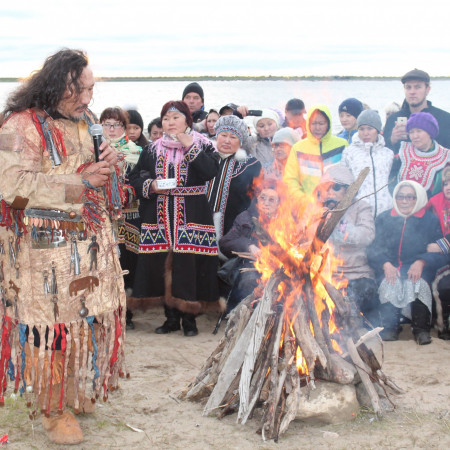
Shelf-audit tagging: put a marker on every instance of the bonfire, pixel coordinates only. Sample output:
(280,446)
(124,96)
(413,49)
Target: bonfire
(296,328)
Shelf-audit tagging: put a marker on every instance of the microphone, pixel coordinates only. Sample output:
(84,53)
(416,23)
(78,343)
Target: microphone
(96,131)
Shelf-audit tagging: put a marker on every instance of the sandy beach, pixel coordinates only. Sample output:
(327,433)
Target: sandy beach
(161,366)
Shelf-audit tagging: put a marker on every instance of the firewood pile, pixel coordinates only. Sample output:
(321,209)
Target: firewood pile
(286,336)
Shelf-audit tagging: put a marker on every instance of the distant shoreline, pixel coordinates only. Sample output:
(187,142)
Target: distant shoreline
(241,78)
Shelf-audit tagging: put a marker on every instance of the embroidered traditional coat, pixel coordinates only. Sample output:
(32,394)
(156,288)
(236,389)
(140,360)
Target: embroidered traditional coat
(230,192)
(179,222)
(423,167)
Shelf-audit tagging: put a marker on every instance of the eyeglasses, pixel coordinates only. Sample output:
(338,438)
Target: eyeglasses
(269,200)
(337,187)
(112,125)
(408,198)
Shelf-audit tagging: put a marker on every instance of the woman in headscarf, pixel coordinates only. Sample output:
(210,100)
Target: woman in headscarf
(229,193)
(402,266)
(423,159)
(178,247)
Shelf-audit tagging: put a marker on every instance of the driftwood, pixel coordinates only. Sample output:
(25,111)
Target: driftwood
(256,361)
(363,371)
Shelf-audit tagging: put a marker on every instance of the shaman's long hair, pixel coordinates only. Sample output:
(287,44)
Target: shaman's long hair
(46,87)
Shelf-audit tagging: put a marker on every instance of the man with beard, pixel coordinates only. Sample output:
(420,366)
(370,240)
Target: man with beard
(416,84)
(63,309)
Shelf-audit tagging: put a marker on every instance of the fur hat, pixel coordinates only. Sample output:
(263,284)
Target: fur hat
(286,135)
(371,118)
(135,118)
(351,106)
(193,87)
(233,125)
(424,121)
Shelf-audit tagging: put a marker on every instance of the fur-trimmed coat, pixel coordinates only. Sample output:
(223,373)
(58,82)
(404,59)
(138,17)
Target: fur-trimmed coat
(178,246)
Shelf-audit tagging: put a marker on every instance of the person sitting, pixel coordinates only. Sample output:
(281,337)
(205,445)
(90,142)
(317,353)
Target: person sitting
(155,130)
(135,128)
(282,142)
(422,159)
(440,205)
(349,240)
(260,146)
(349,110)
(241,238)
(309,157)
(368,150)
(402,265)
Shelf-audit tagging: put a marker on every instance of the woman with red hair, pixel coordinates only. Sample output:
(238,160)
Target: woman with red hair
(178,248)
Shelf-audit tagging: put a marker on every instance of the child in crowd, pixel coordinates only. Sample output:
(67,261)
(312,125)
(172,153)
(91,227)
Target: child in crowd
(349,110)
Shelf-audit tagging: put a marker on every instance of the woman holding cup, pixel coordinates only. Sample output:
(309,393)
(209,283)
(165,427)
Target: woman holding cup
(178,247)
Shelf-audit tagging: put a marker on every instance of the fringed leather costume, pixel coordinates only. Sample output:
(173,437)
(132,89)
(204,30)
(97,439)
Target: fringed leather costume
(62,295)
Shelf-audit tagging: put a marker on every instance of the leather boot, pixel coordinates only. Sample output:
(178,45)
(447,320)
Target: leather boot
(172,322)
(63,429)
(390,320)
(189,325)
(420,322)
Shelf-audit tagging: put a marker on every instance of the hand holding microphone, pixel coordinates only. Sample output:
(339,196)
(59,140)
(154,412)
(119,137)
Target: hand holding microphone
(102,150)
(97,174)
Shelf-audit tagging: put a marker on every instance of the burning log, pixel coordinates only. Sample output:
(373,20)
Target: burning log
(275,351)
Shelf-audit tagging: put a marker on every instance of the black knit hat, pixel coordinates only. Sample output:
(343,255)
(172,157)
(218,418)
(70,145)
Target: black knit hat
(416,74)
(193,87)
(135,118)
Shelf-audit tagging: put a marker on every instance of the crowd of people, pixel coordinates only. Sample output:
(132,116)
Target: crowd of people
(182,200)
(392,242)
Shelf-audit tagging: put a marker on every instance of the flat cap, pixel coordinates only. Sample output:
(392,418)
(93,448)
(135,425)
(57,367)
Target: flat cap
(416,74)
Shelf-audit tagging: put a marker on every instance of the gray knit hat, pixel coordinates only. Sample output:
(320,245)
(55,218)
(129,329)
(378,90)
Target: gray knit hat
(286,135)
(371,118)
(233,125)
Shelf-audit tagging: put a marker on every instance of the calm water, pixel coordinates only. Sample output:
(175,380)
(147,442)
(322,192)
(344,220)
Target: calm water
(150,96)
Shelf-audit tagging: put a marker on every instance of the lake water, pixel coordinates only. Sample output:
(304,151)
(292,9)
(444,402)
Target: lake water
(150,96)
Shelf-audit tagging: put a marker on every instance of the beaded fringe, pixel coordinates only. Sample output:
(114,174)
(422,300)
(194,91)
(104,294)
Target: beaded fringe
(43,373)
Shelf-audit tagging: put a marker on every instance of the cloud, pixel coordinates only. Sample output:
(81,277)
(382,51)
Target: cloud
(286,37)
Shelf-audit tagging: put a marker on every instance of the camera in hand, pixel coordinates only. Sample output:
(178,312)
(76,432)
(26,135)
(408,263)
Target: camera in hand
(255,112)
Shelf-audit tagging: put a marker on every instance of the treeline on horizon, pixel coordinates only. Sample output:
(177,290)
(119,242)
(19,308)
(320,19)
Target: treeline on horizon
(244,78)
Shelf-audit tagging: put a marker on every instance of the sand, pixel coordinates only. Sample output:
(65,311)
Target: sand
(162,366)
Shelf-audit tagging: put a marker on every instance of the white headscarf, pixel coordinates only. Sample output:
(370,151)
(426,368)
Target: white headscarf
(421,194)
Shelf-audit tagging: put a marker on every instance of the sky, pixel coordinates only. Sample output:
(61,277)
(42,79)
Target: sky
(229,37)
